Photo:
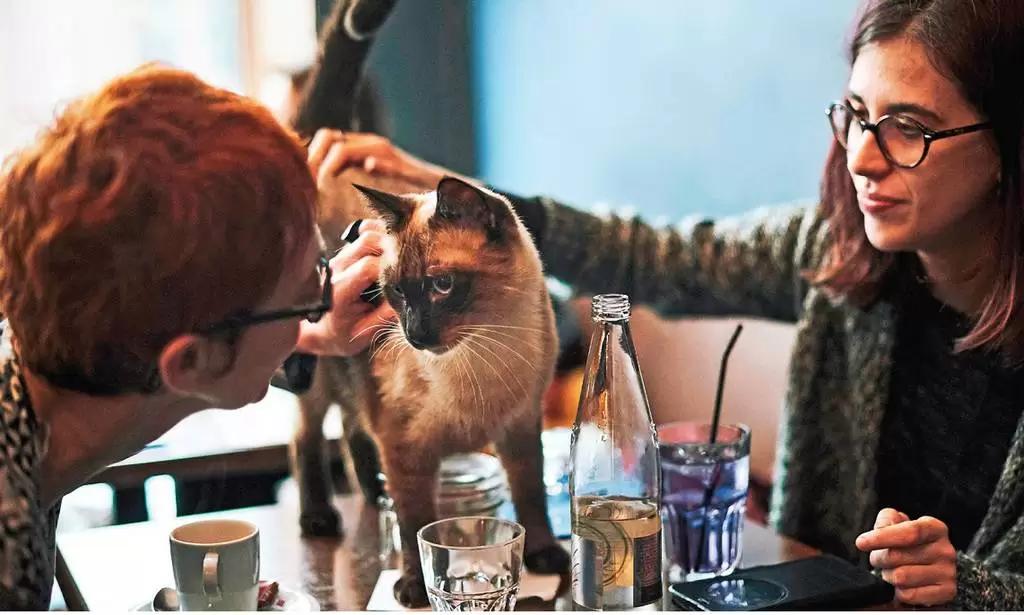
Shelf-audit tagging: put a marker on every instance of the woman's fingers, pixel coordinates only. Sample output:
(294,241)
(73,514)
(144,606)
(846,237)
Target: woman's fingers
(933,595)
(319,146)
(373,224)
(921,554)
(919,576)
(904,534)
(351,153)
(887,517)
(370,243)
(331,164)
(351,281)
(350,325)
(367,328)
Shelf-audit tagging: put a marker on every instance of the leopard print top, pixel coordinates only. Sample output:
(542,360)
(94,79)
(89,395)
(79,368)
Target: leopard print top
(26,529)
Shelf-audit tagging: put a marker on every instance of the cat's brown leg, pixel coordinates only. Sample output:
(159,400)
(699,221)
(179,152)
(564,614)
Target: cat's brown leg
(412,484)
(358,392)
(521,454)
(309,464)
(362,459)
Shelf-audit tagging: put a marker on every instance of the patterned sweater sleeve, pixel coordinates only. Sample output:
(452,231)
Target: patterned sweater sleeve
(985,586)
(750,265)
(26,549)
(26,528)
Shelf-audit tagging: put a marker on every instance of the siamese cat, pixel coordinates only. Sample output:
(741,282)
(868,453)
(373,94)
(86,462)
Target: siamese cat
(466,364)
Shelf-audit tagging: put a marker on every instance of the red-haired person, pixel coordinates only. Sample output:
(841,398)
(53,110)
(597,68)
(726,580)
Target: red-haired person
(903,444)
(158,256)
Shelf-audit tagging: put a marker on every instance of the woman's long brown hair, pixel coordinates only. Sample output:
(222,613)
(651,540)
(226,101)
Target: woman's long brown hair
(979,44)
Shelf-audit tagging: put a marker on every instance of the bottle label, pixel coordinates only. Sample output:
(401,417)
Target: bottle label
(647,569)
(600,567)
(587,573)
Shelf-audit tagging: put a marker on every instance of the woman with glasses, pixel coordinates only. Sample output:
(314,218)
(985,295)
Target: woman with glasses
(158,256)
(901,446)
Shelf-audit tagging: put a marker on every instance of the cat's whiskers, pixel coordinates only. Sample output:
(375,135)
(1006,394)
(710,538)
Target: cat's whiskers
(456,363)
(480,329)
(484,360)
(496,326)
(378,341)
(376,293)
(394,338)
(484,341)
(513,289)
(399,344)
(456,366)
(386,343)
(507,347)
(382,323)
(378,336)
(471,343)
(476,380)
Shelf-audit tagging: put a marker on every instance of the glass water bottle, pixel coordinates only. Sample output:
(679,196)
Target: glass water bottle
(615,481)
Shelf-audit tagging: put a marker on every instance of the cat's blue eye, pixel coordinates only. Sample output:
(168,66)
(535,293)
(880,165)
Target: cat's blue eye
(443,284)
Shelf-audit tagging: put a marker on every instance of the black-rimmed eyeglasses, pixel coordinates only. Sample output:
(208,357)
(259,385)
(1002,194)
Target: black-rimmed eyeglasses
(903,141)
(312,313)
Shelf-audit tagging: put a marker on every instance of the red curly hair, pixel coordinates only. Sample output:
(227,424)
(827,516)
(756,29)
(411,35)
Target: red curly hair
(146,210)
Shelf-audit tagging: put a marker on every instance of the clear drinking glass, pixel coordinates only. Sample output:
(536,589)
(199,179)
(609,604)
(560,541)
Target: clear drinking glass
(703,498)
(472,563)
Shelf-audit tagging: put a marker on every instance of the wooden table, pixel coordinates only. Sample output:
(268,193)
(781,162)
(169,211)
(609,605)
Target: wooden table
(248,440)
(119,567)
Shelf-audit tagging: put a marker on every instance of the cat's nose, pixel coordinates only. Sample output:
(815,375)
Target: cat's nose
(422,339)
(419,331)
(417,344)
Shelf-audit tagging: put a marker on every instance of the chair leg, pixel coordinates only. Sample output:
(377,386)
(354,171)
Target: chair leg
(72,596)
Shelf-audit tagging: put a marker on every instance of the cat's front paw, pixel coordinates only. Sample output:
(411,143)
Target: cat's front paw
(552,559)
(411,592)
(324,523)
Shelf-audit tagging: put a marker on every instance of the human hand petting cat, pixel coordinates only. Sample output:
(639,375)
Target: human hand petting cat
(351,324)
(333,151)
(915,556)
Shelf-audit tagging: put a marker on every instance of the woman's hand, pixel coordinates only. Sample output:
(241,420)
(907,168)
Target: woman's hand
(915,556)
(351,324)
(333,151)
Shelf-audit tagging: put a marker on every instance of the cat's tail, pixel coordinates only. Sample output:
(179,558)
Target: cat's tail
(329,98)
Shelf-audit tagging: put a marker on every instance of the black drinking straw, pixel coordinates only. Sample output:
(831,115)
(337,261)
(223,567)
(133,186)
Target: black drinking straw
(709,491)
(717,413)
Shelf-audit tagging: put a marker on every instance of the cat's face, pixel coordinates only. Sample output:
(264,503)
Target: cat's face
(453,262)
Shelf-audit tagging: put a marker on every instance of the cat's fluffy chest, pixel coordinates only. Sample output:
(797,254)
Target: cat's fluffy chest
(468,395)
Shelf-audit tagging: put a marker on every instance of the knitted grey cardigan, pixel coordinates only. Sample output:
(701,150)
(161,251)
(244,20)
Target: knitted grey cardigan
(839,372)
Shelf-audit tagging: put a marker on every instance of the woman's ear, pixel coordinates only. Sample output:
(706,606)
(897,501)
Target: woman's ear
(190,365)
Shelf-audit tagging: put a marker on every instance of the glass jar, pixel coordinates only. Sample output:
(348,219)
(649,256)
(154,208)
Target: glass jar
(470,484)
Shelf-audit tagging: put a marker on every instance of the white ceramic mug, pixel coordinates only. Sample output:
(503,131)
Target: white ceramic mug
(216,565)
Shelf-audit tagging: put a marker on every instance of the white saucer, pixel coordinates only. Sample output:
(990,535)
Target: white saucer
(288,599)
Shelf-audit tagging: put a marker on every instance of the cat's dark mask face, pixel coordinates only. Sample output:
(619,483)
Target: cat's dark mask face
(453,263)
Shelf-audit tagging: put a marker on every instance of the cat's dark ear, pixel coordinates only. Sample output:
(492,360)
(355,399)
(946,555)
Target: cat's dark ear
(393,208)
(460,201)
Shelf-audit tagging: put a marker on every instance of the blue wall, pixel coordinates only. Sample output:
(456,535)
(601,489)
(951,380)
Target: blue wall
(671,106)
